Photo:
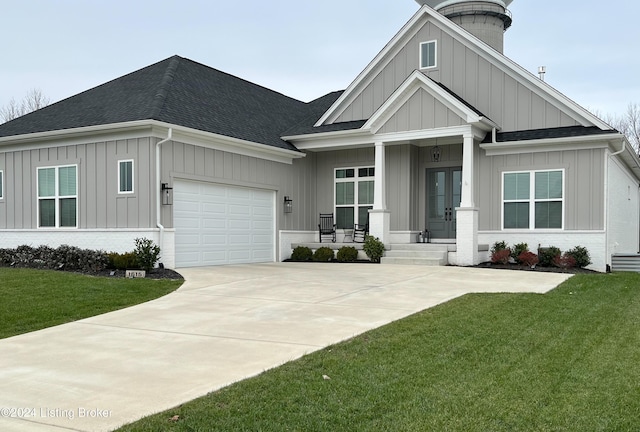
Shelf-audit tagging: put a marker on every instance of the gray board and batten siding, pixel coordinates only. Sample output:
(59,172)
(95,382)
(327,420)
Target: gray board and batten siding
(100,206)
(499,96)
(99,203)
(584,173)
(182,161)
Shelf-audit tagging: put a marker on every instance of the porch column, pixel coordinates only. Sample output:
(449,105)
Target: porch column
(379,216)
(467,213)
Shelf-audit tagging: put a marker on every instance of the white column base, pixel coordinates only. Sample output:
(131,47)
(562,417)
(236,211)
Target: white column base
(467,236)
(379,224)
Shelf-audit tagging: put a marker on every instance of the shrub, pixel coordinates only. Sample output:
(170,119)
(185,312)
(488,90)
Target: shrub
(528,258)
(6,256)
(76,259)
(501,256)
(547,255)
(374,248)
(62,258)
(581,255)
(517,250)
(565,261)
(347,254)
(301,253)
(498,246)
(147,253)
(323,254)
(127,260)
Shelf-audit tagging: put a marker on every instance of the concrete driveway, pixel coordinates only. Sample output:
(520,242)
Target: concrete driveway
(224,324)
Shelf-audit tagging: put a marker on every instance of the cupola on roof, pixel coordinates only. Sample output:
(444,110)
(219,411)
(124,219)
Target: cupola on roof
(485,19)
(437,4)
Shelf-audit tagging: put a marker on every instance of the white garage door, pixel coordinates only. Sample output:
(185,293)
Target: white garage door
(217,224)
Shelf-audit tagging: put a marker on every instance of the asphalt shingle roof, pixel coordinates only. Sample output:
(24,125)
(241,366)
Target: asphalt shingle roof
(560,132)
(181,92)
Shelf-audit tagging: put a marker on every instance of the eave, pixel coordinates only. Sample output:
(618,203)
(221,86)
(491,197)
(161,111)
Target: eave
(146,128)
(549,144)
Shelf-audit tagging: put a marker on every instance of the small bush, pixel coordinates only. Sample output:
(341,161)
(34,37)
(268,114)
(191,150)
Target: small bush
(581,255)
(147,253)
(565,261)
(323,254)
(547,255)
(6,256)
(501,256)
(125,261)
(374,248)
(301,254)
(498,246)
(517,250)
(347,254)
(528,258)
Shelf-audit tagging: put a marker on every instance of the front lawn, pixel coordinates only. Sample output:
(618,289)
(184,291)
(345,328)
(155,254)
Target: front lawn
(565,361)
(35,299)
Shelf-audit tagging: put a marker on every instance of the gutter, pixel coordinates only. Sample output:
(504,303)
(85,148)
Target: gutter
(158,181)
(624,147)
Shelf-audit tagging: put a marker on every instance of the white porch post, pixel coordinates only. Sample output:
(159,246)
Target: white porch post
(467,213)
(379,216)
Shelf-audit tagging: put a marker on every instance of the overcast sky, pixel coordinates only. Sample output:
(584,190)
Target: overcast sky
(303,49)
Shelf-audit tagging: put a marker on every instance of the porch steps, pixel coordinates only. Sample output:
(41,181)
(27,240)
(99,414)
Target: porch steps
(417,254)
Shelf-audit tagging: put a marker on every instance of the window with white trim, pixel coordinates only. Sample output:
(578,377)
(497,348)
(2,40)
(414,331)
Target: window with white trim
(125,176)
(353,196)
(428,54)
(533,200)
(1,184)
(58,197)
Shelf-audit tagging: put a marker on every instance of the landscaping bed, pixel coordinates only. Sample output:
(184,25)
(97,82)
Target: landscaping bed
(515,266)
(67,258)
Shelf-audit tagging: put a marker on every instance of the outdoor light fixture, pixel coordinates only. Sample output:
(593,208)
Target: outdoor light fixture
(288,205)
(167,194)
(435,154)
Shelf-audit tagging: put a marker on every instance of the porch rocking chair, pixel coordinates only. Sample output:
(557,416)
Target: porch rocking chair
(327,227)
(360,233)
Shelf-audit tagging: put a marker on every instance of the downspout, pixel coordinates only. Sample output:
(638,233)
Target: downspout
(158,182)
(609,252)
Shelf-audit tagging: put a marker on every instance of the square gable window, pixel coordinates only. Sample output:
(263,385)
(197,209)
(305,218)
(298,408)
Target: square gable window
(428,53)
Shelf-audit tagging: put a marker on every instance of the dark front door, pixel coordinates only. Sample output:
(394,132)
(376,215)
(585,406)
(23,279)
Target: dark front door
(444,187)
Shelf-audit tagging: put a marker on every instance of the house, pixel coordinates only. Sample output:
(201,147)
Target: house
(441,131)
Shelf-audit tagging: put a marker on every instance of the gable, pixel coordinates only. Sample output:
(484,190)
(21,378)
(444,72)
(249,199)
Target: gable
(421,111)
(420,103)
(512,97)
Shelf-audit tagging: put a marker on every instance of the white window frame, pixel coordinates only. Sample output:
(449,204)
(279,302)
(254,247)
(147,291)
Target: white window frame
(356,179)
(532,199)
(56,197)
(133,183)
(1,185)
(435,55)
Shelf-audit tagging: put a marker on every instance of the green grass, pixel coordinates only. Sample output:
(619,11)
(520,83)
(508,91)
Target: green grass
(36,299)
(565,361)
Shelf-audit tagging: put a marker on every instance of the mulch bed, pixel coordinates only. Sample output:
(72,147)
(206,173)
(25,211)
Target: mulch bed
(513,266)
(157,273)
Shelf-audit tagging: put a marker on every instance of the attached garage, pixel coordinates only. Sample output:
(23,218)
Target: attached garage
(218,224)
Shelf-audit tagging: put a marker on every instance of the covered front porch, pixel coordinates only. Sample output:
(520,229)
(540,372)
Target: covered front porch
(422,181)
(398,147)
